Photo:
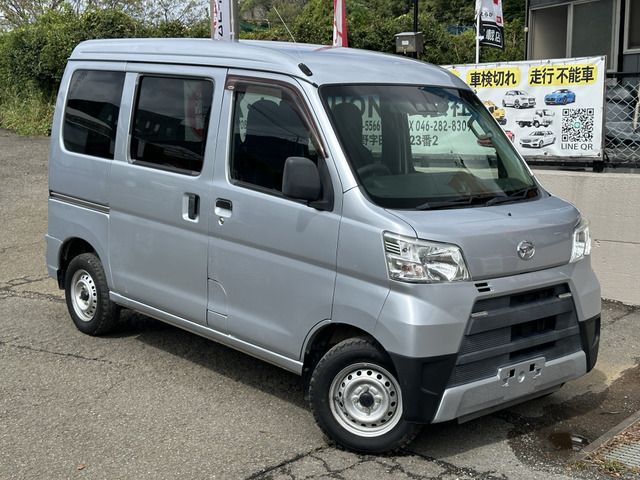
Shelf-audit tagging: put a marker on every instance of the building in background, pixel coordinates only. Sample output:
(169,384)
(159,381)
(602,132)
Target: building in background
(561,28)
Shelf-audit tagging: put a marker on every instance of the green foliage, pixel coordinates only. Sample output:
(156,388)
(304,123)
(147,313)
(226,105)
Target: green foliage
(36,54)
(372,25)
(33,56)
(26,111)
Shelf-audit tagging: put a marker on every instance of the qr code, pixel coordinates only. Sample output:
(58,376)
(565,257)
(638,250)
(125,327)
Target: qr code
(577,124)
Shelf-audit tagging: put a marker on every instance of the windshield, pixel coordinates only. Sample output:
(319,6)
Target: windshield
(414,147)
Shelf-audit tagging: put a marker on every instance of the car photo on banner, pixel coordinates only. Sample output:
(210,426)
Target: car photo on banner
(561,96)
(497,112)
(542,117)
(538,139)
(510,135)
(518,99)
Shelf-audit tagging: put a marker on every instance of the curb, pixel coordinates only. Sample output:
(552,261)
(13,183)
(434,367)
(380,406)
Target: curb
(608,435)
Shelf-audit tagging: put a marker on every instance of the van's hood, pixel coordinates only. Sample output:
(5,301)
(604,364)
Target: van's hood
(489,236)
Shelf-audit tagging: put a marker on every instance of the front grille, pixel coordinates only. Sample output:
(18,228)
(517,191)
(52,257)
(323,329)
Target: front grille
(514,328)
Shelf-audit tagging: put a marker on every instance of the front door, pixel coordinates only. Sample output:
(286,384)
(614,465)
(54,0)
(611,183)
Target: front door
(158,232)
(273,259)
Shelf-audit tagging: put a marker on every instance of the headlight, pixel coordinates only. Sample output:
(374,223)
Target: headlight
(419,261)
(581,241)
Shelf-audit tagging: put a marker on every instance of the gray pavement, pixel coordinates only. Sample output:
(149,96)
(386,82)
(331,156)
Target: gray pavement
(152,401)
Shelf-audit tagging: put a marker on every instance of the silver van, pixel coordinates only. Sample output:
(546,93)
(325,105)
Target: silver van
(359,219)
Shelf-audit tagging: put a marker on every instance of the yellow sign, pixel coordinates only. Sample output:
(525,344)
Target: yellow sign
(497,77)
(557,75)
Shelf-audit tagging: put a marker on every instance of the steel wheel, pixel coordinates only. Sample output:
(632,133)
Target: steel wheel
(87,295)
(356,399)
(366,400)
(84,295)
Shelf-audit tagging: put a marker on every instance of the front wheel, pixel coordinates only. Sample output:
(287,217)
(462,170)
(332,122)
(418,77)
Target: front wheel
(87,296)
(356,399)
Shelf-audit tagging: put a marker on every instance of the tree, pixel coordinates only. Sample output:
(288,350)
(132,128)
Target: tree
(21,12)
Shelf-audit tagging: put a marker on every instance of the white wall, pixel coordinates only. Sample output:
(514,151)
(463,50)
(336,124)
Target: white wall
(611,202)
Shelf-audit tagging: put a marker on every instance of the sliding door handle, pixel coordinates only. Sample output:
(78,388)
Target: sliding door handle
(193,208)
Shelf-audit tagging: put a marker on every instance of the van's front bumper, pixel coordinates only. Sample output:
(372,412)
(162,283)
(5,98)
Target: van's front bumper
(442,347)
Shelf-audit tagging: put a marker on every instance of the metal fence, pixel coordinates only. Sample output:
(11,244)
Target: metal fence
(622,120)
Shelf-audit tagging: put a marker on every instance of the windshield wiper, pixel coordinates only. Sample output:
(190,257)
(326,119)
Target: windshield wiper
(517,195)
(447,203)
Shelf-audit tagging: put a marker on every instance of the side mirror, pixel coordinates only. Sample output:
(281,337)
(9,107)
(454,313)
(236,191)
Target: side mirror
(301,179)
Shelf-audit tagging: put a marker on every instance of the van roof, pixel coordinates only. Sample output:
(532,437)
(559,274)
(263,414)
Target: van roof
(328,65)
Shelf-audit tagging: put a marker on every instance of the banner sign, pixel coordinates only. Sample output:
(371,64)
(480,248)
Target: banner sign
(220,19)
(339,24)
(491,22)
(549,108)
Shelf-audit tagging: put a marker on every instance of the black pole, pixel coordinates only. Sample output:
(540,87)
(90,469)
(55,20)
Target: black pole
(415,21)
(526,29)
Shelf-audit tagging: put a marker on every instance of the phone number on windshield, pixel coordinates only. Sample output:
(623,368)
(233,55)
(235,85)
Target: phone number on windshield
(438,126)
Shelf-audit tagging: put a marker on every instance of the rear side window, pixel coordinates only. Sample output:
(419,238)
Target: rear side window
(170,123)
(91,113)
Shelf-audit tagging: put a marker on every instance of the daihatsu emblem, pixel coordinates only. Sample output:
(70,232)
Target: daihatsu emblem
(526,250)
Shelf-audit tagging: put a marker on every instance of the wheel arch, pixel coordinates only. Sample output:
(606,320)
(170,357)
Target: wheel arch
(325,336)
(71,248)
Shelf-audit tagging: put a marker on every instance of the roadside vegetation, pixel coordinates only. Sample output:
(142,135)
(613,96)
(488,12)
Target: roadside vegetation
(36,42)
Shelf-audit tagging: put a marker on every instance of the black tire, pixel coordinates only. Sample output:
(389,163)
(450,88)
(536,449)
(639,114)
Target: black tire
(357,353)
(536,124)
(504,104)
(85,276)
(516,104)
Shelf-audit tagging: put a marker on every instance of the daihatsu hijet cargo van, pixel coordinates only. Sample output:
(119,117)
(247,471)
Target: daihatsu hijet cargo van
(356,218)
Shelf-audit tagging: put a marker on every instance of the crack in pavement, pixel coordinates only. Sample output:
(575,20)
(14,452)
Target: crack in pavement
(9,292)
(30,295)
(268,470)
(64,354)
(12,247)
(25,280)
(615,320)
(451,469)
(389,466)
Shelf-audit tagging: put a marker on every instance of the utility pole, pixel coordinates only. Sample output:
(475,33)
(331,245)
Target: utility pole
(415,21)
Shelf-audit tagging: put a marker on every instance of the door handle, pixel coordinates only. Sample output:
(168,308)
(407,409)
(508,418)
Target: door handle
(224,204)
(194,206)
(223,209)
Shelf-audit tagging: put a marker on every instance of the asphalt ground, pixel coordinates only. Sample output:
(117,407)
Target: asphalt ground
(151,401)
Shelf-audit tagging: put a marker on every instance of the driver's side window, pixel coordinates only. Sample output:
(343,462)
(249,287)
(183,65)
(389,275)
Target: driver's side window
(268,128)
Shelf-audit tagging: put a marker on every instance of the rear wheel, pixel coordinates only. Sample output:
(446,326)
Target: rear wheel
(87,296)
(356,399)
